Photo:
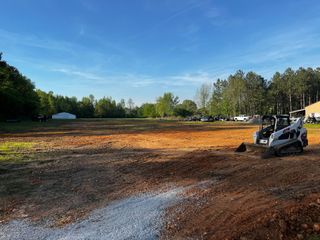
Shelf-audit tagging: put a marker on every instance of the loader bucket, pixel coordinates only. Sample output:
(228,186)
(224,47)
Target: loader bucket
(242,147)
(263,150)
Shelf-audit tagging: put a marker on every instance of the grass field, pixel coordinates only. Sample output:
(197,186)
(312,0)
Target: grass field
(63,170)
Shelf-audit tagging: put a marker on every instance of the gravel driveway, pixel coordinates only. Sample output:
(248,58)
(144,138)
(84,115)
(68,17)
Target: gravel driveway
(138,217)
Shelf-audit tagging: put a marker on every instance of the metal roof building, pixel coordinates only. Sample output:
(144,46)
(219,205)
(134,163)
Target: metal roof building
(308,111)
(64,115)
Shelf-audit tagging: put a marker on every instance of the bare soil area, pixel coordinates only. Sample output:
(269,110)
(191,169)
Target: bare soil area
(76,167)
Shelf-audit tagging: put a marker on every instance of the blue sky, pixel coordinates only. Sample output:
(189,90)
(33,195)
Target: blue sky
(140,49)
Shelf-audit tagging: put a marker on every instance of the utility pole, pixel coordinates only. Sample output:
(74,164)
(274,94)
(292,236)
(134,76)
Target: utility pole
(1,55)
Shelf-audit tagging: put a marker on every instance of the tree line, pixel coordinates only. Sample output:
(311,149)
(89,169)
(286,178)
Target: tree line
(240,93)
(20,99)
(250,93)
(88,107)
(17,94)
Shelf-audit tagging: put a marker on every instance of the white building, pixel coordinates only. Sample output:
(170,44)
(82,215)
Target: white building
(64,115)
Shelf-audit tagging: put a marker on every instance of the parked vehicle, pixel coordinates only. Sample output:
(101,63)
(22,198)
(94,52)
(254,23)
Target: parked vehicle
(241,118)
(193,118)
(223,118)
(39,118)
(313,118)
(207,119)
(216,118)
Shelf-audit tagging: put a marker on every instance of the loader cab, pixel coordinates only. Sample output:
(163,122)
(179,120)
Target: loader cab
(282,121)
(273,123)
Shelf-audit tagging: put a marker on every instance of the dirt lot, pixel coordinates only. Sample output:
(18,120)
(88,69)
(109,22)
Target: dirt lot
(63,170)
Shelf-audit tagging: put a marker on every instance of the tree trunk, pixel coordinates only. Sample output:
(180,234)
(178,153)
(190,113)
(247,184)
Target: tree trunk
(290,102)
(309,97)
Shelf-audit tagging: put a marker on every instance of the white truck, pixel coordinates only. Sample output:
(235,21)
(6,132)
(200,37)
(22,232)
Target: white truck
(241,118)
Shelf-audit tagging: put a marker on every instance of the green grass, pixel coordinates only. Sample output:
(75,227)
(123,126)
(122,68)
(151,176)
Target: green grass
(312,126)
(314,237)
(25,126)
(19,126)
(15,151)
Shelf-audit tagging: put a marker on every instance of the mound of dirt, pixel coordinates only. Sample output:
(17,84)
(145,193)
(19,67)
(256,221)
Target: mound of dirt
(301,221)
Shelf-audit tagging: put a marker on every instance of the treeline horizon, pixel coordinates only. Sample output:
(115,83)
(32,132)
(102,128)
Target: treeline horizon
(240,93)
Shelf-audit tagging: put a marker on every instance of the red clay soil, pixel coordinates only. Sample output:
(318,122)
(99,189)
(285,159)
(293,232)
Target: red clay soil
(83,165)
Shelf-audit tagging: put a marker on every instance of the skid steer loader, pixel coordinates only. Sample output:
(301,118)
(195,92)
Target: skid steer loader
(277,136)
